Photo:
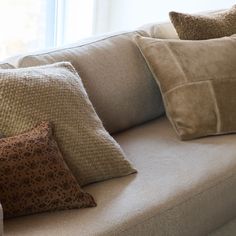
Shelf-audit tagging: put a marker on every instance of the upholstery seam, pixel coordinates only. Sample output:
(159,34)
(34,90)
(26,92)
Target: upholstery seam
(165,102)
(83,44)
(172,121)
(181,203)
(167,46)
(226,78)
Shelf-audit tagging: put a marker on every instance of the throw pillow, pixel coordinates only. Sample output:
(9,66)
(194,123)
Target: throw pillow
(34,177)
(56,93)
(198,27)
(198,83)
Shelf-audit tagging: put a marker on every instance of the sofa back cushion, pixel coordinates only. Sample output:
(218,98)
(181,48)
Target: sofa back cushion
(116,77)
(164,30)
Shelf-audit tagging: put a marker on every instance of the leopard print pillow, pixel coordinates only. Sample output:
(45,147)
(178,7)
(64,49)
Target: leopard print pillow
(34,177)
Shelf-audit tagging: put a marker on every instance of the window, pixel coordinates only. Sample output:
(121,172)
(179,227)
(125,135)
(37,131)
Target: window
(28,25)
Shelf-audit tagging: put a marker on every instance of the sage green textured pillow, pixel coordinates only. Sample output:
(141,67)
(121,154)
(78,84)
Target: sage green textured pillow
(198,83)
(199,27)
(55,93)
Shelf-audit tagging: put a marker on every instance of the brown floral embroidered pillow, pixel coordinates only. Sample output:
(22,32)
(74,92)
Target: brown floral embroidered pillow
(34,177)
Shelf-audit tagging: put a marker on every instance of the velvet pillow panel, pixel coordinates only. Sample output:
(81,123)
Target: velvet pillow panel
(56,93)
(198,83)
(199,27)
(34,177)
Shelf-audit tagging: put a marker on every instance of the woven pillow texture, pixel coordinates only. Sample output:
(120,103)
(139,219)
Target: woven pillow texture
(198,83)
(55,93)
(199,27)
(34,177)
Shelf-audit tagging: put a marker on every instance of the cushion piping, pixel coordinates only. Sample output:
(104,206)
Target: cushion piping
(141,32)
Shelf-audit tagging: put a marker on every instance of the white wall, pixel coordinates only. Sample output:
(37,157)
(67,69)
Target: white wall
(128,14)
(102,16)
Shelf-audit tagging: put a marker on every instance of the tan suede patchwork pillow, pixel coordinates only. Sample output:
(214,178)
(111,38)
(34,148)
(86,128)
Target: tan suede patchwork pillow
(56,93)
(34,177)
(198,83)
(199,27)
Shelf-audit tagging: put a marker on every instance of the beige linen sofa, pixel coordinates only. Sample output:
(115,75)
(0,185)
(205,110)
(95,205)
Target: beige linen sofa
(181,189)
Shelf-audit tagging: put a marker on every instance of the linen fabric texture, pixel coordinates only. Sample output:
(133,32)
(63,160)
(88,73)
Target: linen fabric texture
(55,93)
(34,177)
(198,83)
(199,27)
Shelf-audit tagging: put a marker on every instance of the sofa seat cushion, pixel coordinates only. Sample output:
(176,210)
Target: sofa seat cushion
(182,188)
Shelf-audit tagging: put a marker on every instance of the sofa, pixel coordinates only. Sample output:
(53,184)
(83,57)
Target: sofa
(182,188)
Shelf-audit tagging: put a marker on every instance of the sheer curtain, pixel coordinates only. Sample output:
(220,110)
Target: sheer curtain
(28,25)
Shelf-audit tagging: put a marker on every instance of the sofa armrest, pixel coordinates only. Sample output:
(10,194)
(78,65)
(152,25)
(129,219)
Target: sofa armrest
(1,220)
